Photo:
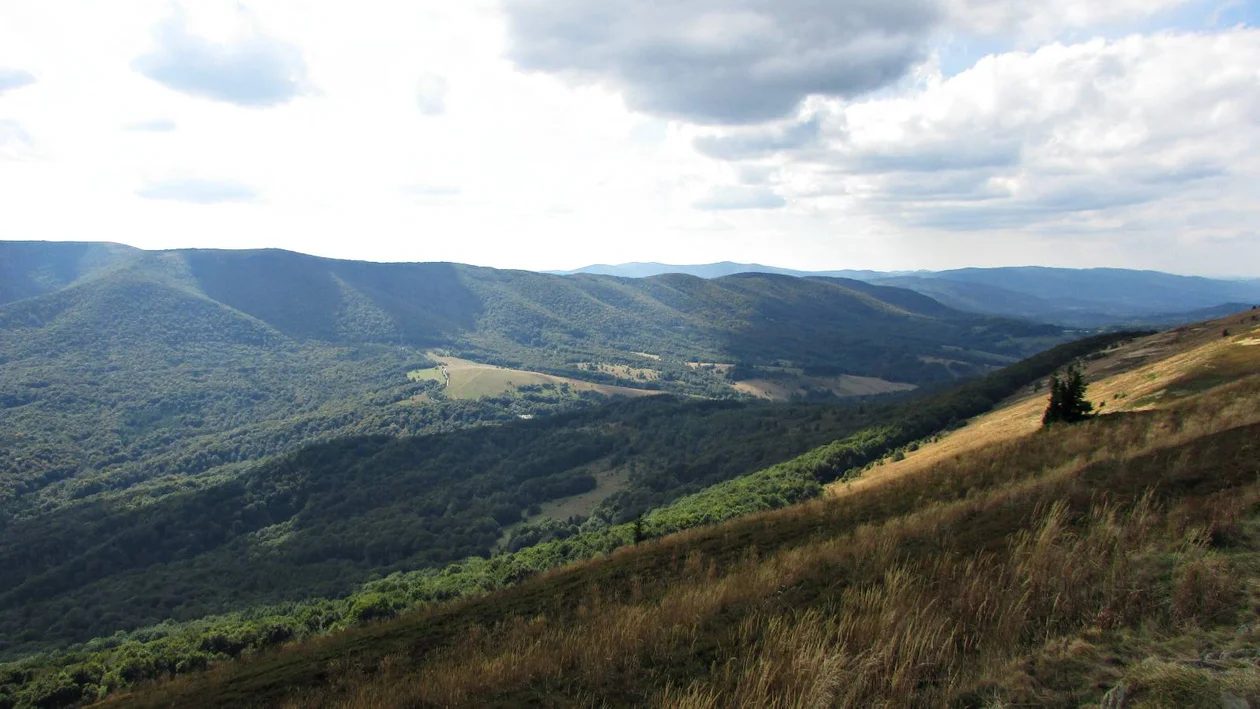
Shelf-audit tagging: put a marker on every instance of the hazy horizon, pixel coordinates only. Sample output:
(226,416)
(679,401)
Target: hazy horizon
(663,264)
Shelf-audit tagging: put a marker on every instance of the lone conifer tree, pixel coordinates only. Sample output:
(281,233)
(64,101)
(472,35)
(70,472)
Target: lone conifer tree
(1067,398)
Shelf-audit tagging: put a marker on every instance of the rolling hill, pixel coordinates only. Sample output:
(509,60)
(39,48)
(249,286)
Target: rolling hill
(1113,562)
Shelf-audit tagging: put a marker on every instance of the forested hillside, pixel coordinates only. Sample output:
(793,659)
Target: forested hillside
(319,521)
(125,367)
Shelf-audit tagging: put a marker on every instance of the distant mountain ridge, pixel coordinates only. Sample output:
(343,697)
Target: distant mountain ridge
(1091,297)
(505,316)
(713,270)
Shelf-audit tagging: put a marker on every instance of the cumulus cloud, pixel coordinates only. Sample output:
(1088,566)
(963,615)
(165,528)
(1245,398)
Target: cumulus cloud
(431,94)
(11,79)
(1035,20)
(730,198)
(1023,139)
(739,62)
(723,61)
(254,70)
(199,191)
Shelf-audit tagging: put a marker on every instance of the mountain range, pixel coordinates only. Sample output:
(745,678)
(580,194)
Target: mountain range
(1094,297)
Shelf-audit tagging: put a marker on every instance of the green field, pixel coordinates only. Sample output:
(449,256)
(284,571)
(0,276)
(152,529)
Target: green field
(432,374)
(473,380)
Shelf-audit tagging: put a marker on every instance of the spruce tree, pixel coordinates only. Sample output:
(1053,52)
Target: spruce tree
(1067,398)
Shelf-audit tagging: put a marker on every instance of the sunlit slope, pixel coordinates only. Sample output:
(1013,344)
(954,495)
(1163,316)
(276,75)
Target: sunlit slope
(1139,375)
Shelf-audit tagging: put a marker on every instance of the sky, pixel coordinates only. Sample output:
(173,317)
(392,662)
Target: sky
(552,134)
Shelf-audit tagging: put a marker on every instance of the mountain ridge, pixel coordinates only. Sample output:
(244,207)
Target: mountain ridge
(1084,297)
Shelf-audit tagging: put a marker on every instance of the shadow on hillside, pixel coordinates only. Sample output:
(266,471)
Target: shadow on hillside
(308,297)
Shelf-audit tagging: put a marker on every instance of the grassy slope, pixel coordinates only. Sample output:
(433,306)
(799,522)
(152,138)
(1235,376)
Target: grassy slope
(830,601)
(1136,376)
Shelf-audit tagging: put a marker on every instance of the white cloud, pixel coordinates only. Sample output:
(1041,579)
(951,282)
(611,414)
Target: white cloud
(1072,128)
(1075,141)
(1136,152)
(250,70)
(1032,20)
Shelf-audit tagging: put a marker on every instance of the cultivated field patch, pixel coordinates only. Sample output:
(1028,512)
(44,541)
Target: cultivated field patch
(621,371)
(472,380)
(714,366)
(785,388)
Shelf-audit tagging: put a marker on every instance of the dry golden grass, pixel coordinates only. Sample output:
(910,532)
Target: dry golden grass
(621,371)
(784,388)
(1129,378)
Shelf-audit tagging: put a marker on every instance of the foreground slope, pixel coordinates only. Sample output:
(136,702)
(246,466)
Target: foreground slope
(1048,569)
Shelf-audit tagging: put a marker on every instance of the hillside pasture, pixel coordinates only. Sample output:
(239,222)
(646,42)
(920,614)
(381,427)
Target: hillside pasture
(621,371)
(786,388)
(472,380)
(432,374)
(717,367)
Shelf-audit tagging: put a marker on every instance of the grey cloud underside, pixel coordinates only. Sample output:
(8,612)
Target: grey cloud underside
(199,191)
(1003,211)
(11,79)
(723,61)
(739,197)
(760,142)
(256,71)
(998,152)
